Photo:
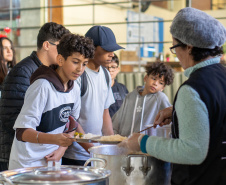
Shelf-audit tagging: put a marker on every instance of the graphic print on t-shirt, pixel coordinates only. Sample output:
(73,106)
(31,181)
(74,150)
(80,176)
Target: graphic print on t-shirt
(57,117)
(64,114)
(139,109)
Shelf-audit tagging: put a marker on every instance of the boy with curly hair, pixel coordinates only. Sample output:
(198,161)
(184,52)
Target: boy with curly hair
(51,101)
(17,82)
(144,102)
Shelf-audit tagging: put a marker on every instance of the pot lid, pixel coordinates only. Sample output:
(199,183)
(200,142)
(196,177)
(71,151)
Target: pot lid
(66,175)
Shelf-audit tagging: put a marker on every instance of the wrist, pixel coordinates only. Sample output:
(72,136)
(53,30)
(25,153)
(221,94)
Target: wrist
(140,138)
(63,148)
(38,138)
(143,143)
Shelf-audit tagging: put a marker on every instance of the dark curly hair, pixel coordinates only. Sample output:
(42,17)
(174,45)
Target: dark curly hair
(71,43)
(50,31)
(161,69)
(201,53)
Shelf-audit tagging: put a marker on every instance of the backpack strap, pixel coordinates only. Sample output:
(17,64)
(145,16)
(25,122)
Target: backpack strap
(84,81)
(106,75)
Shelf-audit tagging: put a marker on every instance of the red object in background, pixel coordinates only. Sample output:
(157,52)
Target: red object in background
(18,25)
(18,32)
(2,35)
(7,30)
(167,59)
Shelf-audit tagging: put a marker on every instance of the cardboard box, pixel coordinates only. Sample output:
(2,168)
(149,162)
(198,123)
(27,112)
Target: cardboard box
(128,56)
(126,68)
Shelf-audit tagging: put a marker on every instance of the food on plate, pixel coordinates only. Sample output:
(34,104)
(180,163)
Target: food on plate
(84,136)
(89,136)
(115,137)
(78,135)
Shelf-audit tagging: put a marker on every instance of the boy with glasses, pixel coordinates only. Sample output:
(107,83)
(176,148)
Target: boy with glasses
(18,81)
(119,90)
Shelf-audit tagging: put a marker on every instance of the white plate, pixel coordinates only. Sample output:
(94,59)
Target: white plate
(107,142)
(83,140)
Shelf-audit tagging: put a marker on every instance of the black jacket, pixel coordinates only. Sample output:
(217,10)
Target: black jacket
(210,83)
(119,91)
(12,98)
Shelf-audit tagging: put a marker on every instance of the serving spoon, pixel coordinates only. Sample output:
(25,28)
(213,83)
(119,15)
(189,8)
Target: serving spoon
(146,129)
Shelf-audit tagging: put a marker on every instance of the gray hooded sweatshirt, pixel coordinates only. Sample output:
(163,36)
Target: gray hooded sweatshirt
(138,111)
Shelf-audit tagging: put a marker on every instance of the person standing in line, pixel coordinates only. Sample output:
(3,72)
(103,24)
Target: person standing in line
(94,116)
(52,100)
(18,80)
(197,149)
(7,58)
(141,106)
(119,90)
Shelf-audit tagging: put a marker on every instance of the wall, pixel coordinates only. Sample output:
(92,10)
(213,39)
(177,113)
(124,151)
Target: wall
(30,18)
(167,16)
(109,14)
(56,14)
(218,4)
(202,5)
(100,14)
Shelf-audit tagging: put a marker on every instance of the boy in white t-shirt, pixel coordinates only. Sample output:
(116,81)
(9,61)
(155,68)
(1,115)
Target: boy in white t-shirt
(50,102)
(94,117)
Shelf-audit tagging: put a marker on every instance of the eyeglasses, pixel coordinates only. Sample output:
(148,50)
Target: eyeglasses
(172,49)
(52,43)
(112,67)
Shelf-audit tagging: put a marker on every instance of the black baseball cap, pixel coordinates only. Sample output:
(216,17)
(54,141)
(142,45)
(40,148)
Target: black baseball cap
(104,37)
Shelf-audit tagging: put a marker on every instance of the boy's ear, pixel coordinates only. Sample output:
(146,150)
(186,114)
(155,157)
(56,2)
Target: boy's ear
(60,59)
(45,45)
(145,78)
(118,67)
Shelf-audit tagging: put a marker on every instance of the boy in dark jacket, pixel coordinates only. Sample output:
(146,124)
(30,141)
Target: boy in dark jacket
(18,81)
(119,90)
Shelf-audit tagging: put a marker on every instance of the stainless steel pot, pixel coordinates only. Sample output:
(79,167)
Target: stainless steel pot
(164,131)
(63,175)
(134,169)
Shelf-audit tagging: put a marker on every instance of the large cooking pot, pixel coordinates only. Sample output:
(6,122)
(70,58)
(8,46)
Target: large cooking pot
(62,175)
(133,169)
(164,131)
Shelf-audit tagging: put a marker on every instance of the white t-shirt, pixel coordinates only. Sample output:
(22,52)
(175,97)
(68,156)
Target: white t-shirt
(47,110)
(98,97)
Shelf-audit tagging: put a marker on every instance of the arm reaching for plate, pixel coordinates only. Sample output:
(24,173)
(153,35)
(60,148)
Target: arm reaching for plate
(132,144)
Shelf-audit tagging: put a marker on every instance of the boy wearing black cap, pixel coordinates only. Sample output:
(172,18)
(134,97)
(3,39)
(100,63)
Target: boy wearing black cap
(94,116)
